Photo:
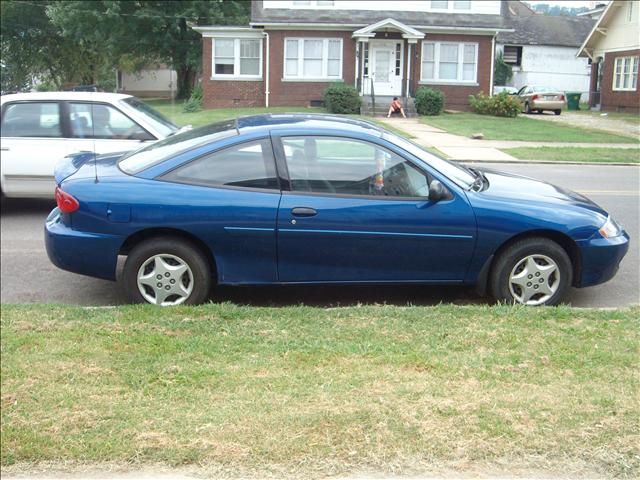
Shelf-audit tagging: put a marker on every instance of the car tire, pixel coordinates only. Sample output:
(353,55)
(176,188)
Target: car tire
(533,271)
(167,271)
(527,108)
(557,112)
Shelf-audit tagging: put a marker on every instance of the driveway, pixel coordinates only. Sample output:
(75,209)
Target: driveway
(593,121)
(27,275)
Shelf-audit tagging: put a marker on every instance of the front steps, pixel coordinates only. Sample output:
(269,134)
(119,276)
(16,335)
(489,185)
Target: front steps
(382,106)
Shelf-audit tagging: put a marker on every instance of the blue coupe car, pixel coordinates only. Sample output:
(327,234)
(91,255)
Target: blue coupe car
(292,199)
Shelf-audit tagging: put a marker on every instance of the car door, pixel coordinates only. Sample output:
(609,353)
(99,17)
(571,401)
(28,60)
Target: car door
(104,128)
(359,212)
(32,142)
(229,198)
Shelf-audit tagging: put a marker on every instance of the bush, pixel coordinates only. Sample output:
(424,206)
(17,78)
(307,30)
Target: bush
(342,98)
(501,105)
(429,101)
(194,104)
(502,71)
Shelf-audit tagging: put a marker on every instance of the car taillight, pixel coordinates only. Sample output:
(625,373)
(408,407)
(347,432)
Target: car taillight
(66,203)
(535,97)
(562,98)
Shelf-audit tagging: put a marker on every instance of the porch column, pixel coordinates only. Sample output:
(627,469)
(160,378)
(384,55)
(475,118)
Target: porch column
(410,43)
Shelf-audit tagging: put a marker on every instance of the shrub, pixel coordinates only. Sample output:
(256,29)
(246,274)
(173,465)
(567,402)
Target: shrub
(501,105)
(429,101)
(502,71)
(194,104)
(342,98)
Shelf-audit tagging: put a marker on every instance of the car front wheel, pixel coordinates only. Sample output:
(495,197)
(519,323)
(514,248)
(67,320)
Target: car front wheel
(532,271)
(166,271)
(527,108)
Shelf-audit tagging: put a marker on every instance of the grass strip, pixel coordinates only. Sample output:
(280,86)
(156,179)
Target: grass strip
(304,391)
(520,128)
(576,154)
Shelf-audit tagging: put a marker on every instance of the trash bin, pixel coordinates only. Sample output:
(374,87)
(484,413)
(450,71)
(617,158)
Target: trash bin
(573,100)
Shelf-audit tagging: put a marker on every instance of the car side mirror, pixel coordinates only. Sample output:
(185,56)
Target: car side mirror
(438,192)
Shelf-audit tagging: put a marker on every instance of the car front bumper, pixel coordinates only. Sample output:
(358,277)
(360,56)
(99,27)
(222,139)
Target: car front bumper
(600,258)
(91,254)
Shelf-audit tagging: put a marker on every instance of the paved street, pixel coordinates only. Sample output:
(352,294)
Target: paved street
(28,276)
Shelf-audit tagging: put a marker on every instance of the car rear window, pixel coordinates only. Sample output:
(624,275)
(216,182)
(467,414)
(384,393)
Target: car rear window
(158,152)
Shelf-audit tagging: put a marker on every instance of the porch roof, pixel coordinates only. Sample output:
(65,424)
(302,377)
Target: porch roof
(388,23)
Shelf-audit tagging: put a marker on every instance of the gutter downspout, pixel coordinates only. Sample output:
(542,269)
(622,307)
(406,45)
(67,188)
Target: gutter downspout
(493,54)
(266,73)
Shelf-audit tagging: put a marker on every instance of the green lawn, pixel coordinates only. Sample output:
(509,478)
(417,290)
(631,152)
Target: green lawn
(569,154)
(520,128)
(310,392)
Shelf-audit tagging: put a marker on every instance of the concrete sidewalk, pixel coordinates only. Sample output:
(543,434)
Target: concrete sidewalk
(458,147)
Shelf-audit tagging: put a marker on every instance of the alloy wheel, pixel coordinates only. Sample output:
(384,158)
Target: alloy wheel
(534,280)
(165,279)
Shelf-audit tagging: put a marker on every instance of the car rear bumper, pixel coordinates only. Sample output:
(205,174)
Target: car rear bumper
(547,105)
(601,258)
(85,253)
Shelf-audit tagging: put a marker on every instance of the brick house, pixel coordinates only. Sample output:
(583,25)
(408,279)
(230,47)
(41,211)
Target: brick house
(292,50)
(613,46)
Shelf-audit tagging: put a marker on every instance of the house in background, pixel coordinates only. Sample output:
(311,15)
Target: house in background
(292,50)
(157,81)
(613,47)
(541,49)
(595,12)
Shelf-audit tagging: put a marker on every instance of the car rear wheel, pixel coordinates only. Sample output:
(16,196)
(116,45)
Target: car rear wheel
(532,271)
(167,271)
(557,112)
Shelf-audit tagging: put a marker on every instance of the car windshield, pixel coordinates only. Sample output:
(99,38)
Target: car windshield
(145,157)
(161,123)
(462,176)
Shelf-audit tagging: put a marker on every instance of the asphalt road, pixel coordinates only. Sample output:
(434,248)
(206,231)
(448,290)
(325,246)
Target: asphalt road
(26,275)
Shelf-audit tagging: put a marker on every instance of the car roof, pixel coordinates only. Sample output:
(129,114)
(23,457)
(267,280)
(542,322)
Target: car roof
(82,96)
(303,121)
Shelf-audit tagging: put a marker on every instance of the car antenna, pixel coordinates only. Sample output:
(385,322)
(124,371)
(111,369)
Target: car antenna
(93,136)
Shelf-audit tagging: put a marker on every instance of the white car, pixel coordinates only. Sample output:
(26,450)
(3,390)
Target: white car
(38,129)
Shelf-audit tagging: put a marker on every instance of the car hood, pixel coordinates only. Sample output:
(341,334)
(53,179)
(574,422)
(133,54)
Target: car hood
(510,187)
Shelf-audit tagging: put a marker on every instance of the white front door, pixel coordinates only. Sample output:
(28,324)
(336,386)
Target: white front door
(386,67)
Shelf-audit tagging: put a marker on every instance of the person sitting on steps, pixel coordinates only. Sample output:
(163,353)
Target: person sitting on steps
(396,107)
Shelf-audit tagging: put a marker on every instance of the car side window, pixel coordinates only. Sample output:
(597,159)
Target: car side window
(350,167)
(97,120)
(249,165)
(32,119)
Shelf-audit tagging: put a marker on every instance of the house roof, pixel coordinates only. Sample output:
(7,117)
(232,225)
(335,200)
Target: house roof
(596,32)
(563,31)
(362,18)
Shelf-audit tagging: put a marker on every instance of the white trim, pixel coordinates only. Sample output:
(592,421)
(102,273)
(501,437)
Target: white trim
(493,60)
(448,82)
(593,30)
(325,59)
(460,63)
(350,26)
(228,32)
(623,74)
(407,31)
(311,80)
(236,60)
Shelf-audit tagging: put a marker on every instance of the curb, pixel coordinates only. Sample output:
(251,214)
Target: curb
(550,162)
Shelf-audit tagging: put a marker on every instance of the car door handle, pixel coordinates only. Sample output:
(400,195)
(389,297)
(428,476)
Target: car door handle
(303,212)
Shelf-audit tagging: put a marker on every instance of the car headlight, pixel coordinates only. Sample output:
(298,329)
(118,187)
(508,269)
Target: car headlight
(610,228)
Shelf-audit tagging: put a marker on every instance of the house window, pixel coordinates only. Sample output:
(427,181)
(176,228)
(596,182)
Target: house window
(398,58)
(237,57)
(313,3)
(625,73)
(313,58)
(439,4)
(630,12)
(512,55)
(462,5)
(449,62)
(365,59)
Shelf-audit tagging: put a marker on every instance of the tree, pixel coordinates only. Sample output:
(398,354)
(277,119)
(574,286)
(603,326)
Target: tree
(31,47)
(146,32)
(502,72)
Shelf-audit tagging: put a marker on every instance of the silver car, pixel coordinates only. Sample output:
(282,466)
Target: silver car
(537,98)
